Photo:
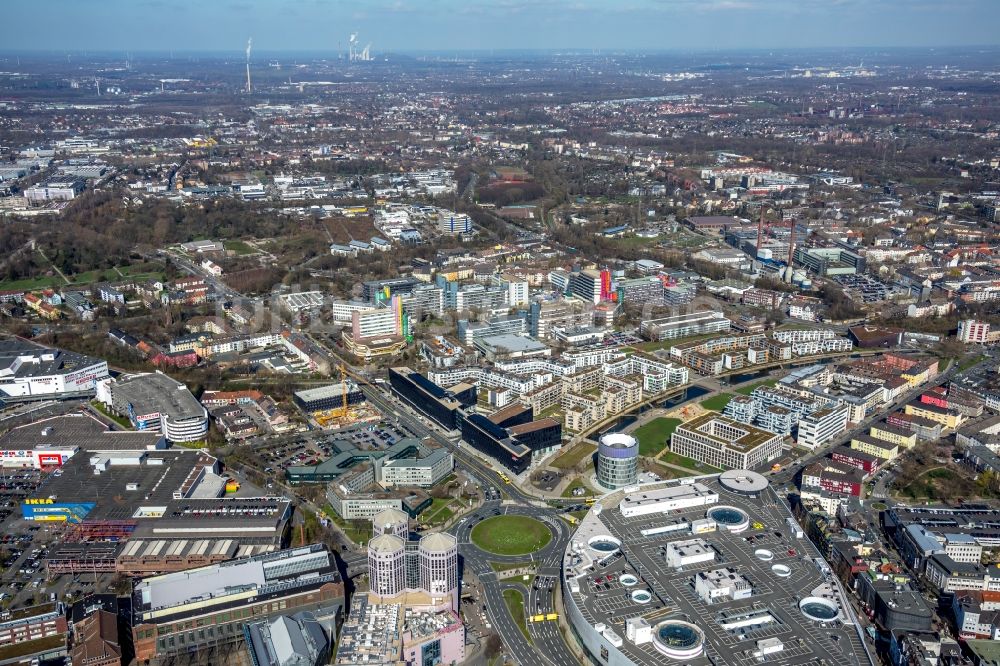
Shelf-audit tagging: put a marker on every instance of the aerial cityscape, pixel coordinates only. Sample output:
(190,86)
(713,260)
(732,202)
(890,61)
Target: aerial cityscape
(534,348)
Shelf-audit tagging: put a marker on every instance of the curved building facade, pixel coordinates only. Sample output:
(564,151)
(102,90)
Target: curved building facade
(391,521)
(617,461)
(184,428)
(387,565)
(438,565)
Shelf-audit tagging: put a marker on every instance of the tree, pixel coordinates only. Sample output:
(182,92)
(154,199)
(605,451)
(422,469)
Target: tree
(492,646)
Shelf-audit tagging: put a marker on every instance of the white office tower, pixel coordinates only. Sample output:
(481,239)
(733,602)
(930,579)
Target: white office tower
(387,565)
(391,521)
(438,554)
(617,461)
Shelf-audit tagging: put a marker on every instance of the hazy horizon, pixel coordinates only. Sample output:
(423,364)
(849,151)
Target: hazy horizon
(420,26)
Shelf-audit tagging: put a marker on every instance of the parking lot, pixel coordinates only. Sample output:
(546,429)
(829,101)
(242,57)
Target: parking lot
(315,449)
(546,480)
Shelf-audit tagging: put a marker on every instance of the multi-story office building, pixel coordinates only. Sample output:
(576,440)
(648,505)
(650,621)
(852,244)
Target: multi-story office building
(543,316)
(187,611)
(469,332)
(352,504)
(684,325)
(676,295)
(510,436)
(377,322)
(414,470)
(452,223)
(382,290)
(722,442)
(429,566)
(517,292)
(441,405)
(387,565)
(424,300)
(586,285)
(60,188)
(33,631)
(328,397)
(829,261)
(470,297)
(640,290)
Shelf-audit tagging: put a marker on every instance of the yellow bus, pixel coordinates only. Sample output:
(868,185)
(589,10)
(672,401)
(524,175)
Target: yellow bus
(591,500)
(504,477)
(552,616)
(537,618)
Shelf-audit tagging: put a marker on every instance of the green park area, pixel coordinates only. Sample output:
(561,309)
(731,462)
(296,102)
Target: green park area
(653,436)
(511,535)
(571,458)
(238,247)
(358,531)
(438,513)
(120,420)
(717,402)
(578,483)
(672,458)
(139,272)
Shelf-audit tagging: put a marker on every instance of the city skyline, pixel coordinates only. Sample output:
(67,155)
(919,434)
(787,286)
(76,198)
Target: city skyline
(443,25)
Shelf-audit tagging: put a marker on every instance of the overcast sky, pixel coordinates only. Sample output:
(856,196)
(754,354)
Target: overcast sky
(408,25)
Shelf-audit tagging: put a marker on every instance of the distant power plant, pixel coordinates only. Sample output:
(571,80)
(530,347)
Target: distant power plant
(354,54)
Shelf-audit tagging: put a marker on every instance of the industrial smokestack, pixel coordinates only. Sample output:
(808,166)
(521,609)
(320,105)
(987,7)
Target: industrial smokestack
(249,46)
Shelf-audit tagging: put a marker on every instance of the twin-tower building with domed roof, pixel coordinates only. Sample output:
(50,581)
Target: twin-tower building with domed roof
(422,572)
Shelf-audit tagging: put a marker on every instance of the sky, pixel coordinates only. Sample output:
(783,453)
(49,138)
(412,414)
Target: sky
(444,25)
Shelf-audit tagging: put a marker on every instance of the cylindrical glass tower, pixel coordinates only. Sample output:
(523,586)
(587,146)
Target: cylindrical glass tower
(617,461)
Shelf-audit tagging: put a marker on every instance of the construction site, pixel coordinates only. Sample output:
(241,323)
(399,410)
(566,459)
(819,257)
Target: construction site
(338,405)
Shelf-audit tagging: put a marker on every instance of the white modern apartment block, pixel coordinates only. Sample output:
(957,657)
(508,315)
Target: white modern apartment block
(971,331)
(821,426)
(684,325)
(657,375)
(722,442)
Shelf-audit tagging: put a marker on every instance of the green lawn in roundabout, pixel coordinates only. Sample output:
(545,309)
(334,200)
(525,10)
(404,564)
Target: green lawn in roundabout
(511,535)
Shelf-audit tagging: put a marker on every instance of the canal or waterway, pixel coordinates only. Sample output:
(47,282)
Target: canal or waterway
(624,421)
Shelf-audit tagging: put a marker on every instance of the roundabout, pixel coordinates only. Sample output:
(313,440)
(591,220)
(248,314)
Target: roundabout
(511,535)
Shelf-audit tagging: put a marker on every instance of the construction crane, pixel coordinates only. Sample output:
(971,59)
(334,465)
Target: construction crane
(346,374)
(343,390)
